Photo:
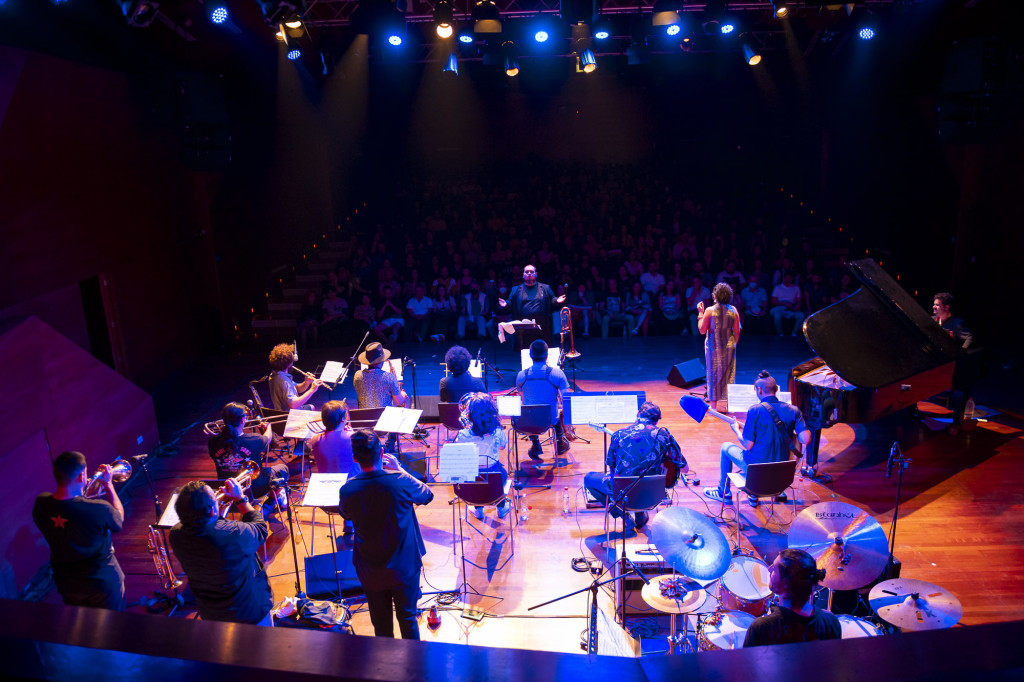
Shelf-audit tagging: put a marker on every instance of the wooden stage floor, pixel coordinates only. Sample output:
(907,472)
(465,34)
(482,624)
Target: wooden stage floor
(961,515)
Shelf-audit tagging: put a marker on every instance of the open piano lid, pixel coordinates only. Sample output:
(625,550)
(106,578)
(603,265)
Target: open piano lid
(879,335)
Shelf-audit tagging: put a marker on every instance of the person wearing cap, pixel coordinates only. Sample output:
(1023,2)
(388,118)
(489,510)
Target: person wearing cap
(377,387)
(794,618)
(542,384)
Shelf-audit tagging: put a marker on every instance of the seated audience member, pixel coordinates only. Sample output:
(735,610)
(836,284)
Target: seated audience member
(419,309)
(816,294)
(458,382)
(389,319)
(613,309)
(670,316)
(786,303)
(308,325)
(638,304)
(474,310)
(581,303)
(364,313)
(755,307)
(446,312)
(483,429)
(695,293)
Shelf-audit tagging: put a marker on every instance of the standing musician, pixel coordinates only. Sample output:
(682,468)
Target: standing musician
(78,531)
(233,447)
(284,392)
(388,551)
(793,576)
(542,384)
(219,556)
(632,451)
(378,387)
(532,300)
(765,437)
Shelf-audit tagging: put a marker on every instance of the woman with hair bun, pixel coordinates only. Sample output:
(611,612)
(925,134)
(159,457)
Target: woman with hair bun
(794,618)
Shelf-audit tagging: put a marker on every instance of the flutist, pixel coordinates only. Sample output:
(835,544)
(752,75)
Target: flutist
(284,392)
(233,447)
(78,531)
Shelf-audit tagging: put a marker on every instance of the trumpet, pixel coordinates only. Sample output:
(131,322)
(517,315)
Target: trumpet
(120,471)
(244,479)
(158,548)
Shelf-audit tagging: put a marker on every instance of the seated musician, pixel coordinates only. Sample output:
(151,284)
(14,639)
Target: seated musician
(78,531)
(233,447)
(793,576)
(482,427)
(219,556)
(632,452)
(542,384)
(765,437)
(459,382)
(332,449)
(377,387)
(284,392)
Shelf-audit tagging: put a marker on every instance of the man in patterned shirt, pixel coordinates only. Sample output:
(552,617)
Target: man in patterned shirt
(377,387)
(632,451)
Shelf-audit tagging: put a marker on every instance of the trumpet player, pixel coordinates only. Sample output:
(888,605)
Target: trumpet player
(219,556)
(284,392)
(233,447)
(78,531)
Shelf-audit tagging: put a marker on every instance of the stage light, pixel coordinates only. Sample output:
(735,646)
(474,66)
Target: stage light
(394,40)
(219,15)
(866,33)
(465,38)
(511,62)
(588,62)
(601,35)
(666,13)
(781,10)
(727,28)
(452,65)
(752,56)
(294,53)
(139,13)
(486,17)
(444,18)
(293,22)
(540,36)
(672,29)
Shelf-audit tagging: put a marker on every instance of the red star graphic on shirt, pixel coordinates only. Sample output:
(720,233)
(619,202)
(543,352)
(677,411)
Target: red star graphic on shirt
(58,522)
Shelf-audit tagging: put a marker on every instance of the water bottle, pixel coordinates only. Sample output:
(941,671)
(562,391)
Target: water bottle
(969,410)
(524,508)
(565,501)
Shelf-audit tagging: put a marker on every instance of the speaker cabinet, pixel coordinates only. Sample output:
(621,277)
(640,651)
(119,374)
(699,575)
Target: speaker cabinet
(686,373)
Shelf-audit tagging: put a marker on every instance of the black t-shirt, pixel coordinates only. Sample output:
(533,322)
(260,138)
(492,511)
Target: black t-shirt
(230,454)
(78,532)
(784,626)
(454,387)
(529,302)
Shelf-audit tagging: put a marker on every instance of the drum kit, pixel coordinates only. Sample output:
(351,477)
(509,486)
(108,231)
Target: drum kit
(844,540)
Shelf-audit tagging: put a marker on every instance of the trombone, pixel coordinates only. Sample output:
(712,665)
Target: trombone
(214,428)
(120,471)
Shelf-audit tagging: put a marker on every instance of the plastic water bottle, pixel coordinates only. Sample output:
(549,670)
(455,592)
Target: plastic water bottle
(969,410)
(524,508)
(565,501)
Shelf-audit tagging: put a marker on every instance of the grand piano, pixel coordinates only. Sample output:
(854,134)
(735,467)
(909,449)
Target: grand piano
(878,352)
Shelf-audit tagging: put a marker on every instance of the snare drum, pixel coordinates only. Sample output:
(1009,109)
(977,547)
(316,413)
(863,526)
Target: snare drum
(858,627)
(744,587)
(723,630)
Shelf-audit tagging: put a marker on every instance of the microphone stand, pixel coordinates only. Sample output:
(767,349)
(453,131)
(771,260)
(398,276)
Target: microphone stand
(177,600)
(299,594)
(623,497)
(897,459)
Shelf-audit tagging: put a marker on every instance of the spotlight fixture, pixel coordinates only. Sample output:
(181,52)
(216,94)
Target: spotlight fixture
(601,34)
(511,62)
(752,56)
(294,54)
(588,63)
(541,36)
(140,13)
(727,27)
(866,33)
(293,22)
(486,17)
(451,65)
(781,10)
(666,13)
(219,15)
(466,38)
(444,19)
(673,29)
(395,40)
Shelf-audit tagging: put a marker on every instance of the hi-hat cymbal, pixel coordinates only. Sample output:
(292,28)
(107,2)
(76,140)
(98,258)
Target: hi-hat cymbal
(844,540)
(690,542)
(915,605)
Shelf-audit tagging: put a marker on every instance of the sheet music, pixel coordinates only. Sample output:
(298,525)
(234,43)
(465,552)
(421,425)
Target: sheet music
(510,406)
(333,372)
(322,490)
(394,366)
(602,409)
(476,369)
(398,420)
(553,354)
(297,424)
(458,463)
(744,396)
(169,519)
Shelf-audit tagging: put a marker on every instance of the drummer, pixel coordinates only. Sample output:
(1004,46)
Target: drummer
(794,618)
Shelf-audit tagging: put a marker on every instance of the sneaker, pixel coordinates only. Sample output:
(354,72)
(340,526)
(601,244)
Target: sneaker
(478,512)
(627,524)
(535,452)
(503,509)
(282,498)
(563,447)
(716,495)
(640,519)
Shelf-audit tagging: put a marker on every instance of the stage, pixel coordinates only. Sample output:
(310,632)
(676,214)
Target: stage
(960,525)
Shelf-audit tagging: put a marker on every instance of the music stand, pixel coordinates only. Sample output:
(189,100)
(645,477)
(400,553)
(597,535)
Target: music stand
(322,491)
(603,408)
(527,333)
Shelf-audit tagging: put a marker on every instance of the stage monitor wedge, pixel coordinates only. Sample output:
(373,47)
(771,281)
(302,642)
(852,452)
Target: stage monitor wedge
(686,373)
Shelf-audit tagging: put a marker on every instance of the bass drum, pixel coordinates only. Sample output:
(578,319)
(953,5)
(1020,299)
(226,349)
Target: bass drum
(723,630)
(744,587)
(858,627)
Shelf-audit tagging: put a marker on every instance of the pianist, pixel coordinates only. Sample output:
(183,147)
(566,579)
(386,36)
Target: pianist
(942,312)
(765,437)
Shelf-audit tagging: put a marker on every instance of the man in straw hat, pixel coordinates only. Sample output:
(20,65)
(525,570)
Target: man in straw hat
(377,387)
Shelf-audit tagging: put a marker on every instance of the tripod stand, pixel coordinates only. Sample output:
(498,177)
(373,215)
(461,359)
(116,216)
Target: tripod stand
(897,459)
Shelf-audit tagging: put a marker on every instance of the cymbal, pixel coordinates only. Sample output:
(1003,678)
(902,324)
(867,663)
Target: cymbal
(844,540)
(915,605)
(690,542)
(688,602)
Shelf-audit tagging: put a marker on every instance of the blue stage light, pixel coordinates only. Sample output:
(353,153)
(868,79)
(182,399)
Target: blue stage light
(466,38)
(219,15)
(866,33)
(601,35)
(395,39)
(294,54)
(672,29)
(727,28)
(540,36)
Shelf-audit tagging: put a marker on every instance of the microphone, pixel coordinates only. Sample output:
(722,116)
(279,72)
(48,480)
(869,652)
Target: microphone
(638,571)
(140,458)
(892,460)
(478,351)
(295,350)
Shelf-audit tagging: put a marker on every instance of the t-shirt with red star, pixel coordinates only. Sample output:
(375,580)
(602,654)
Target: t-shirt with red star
(78,532)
